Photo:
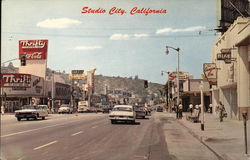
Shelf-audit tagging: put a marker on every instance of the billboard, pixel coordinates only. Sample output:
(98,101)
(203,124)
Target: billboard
(34,85)
(33,49)
(15,80)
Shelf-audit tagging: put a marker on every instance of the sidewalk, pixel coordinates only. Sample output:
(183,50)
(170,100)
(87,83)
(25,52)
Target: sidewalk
(225,138)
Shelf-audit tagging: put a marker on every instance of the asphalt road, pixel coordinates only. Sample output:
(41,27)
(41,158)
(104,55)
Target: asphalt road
(90,136)
(83,136)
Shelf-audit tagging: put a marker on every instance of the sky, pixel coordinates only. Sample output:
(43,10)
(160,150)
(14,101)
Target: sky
(118,44)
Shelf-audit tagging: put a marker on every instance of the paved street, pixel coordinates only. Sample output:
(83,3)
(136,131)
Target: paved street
(92,137)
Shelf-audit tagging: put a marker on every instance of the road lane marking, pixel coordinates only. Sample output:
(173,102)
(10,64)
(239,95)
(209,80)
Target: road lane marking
(76,133)
(12,134)
(94,127)
(45,145)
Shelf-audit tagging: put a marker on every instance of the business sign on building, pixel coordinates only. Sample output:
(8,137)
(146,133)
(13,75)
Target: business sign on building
(33,49)
(182,76)
(225,55)
(34,85)
(15,80)
(210,72)
(77,75)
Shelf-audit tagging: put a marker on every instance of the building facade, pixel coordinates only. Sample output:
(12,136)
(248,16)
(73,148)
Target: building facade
(231,54)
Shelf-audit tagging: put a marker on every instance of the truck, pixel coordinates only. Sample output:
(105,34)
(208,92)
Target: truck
(83,106)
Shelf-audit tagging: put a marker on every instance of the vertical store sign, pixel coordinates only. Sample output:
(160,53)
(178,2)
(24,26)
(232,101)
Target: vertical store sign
(33,49)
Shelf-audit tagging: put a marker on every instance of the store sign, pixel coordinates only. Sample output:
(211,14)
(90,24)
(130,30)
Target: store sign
(77,71)
(210,72)
(33,49)
(77,76)
(182,76)
(16,80)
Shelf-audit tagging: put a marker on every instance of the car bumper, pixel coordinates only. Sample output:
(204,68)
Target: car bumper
(122,118)
(140,114)
(25,115)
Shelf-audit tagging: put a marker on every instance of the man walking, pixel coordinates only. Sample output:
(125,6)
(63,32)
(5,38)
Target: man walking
(191,108)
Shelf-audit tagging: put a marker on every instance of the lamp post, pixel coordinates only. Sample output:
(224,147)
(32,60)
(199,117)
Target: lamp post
(178,70)
(167,88)
(52,93)
(202,106)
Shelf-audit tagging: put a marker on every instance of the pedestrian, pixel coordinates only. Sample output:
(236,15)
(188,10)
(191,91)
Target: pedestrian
(221,111)
(177,111)
(180,107)
(191,108)
(2,110)
(210,108)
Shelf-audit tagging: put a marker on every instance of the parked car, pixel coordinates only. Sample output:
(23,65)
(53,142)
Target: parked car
(123,113)
(140,111)
(159,109)
(65,108)
(31,111)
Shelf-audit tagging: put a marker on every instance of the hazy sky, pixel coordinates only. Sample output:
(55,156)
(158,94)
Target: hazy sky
(117,45)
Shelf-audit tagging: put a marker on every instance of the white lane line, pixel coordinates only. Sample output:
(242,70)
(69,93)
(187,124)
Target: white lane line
(77,133)
(45,145)
(94,127)
(12,134)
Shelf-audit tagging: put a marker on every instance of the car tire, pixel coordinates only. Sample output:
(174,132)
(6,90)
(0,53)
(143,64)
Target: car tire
(18,119)
(43,118)
(27,119)
(113,121)
(133,122)
(143,117)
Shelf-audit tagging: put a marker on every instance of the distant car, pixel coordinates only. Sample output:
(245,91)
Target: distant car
(159,109)
(45,107)
(65,108)
(31,111)
(140,111)
(106,109)
(123,113)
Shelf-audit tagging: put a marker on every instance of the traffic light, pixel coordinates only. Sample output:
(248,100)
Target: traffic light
(145,84)
(23,60)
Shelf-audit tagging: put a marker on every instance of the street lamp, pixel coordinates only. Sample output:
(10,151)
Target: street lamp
(168,100)
(178,68)
(202,106)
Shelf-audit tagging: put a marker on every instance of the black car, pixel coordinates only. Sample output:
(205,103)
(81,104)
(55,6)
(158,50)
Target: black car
(159,109)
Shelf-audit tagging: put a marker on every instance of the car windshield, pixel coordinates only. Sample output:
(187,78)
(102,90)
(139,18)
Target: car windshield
(30,107)
(138,108)
(122,109)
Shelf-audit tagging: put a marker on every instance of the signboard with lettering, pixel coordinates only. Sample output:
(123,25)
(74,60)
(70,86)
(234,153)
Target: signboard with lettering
(12,86)
(33,49)
(77,71)
(15,80)
(77,76)
(210,72)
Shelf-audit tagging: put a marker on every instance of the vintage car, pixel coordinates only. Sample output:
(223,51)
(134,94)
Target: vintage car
(159,109)
(65,108)
(140,111)
(123,113)
(31,111)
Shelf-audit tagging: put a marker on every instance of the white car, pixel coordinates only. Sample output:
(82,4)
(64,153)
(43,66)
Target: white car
(124,113)
(31,111)
(65,108)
